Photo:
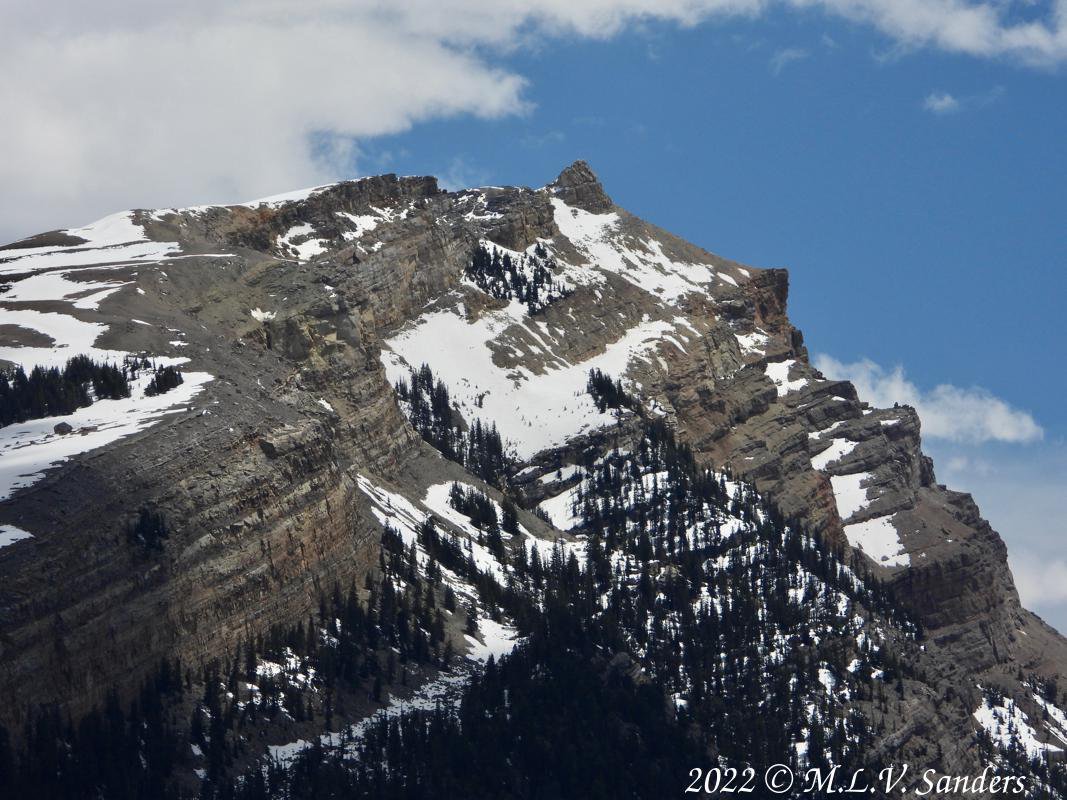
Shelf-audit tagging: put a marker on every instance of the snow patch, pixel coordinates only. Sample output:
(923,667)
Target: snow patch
(599,239)
(9,534)
(115,239)
(778,373)
(878,538)
(753,344)
(1007,725)
(305,250)
(533,411)
(849,492)
(27,449)
(838,449)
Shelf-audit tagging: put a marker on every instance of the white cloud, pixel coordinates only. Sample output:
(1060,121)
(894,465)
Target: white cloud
(783,58)
(1042,582)
(941,103)
(1019,489)
(945,103)
(947,412)
(111,103)
(460,174)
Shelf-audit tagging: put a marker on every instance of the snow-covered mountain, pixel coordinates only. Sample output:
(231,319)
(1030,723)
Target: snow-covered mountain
(418,431)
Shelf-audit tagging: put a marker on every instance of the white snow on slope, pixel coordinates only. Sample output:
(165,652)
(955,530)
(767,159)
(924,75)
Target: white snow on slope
(1057,722)
(824,431)
(53,286)
(365,223)
(393,509)
(276,200)
(778,372)
(304,250)
(838,449)
(70,336)
(29,448)
(111,240)
(878,538)
(362,224)
(532,411)
(752,344)
(849,492)
(1007,724)
(436,500)
(9,534)
(496,640)
(564,473)
(493,638)
(561,509)
(598,237)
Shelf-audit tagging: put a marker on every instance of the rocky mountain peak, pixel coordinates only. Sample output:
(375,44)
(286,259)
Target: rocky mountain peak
(305,388)
(579,186)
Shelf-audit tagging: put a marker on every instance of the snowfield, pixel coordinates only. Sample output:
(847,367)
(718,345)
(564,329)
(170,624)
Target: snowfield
(850,493)
(532,411)
(1007,724)
(115,239)
(27,449)
(597,236)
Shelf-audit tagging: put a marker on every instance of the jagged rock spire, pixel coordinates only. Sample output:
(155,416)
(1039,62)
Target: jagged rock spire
(579,186)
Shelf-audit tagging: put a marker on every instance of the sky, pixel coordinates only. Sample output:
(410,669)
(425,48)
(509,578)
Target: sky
(904,159)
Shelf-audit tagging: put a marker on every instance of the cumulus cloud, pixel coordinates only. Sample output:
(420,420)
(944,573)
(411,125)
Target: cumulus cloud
(1019,488)
(112,103)
(949,412)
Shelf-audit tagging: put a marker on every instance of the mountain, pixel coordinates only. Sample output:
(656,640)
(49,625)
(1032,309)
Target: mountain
(350,477)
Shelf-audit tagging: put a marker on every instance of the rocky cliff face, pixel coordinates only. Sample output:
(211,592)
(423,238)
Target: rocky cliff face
(299,314)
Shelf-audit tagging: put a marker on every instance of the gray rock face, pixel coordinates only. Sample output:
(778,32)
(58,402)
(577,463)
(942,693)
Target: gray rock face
(578,186)
(257,473)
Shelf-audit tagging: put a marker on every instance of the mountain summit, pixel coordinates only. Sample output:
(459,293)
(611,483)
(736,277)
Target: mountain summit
(339,452)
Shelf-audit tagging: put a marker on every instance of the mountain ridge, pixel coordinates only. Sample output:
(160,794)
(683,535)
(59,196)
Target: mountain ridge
(305,311)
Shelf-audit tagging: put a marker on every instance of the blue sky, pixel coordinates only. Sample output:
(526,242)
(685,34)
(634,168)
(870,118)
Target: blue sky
(904,159)
(919,232)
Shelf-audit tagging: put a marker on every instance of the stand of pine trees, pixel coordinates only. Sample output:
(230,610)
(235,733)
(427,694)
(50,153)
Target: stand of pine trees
(698,626)
(164,379)
(608,393)
(50,391)
(479,448)
(529,279)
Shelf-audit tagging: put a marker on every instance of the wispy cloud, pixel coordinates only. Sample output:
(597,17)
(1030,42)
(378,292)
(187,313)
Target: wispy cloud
(941,103)
(461,174)
(945,103)
(947,412)
(535,141)
(784,57)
